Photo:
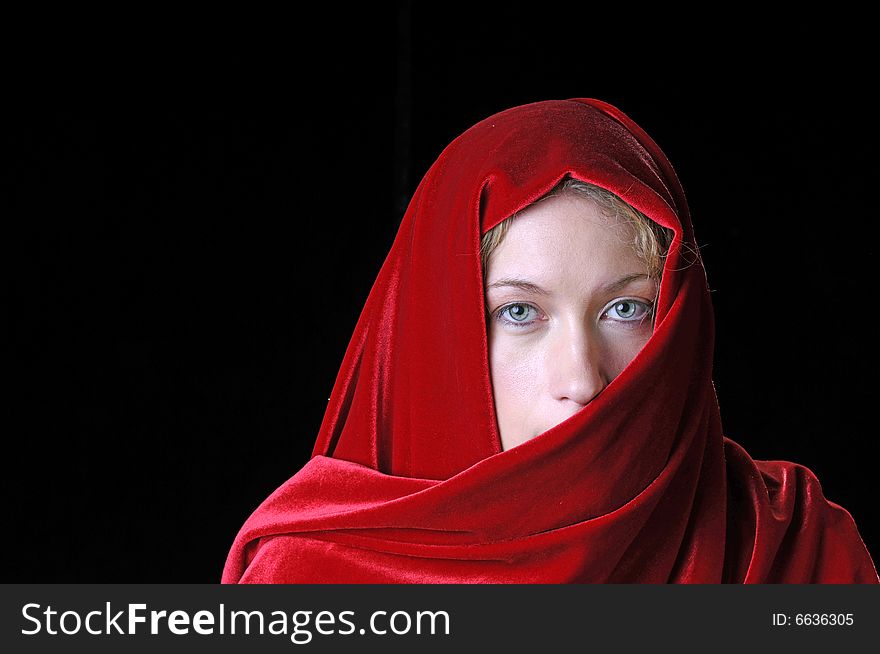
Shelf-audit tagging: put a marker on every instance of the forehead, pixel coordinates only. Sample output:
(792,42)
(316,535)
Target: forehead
(564,231)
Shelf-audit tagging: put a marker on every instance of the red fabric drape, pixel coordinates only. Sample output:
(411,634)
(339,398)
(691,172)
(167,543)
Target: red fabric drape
(408,482)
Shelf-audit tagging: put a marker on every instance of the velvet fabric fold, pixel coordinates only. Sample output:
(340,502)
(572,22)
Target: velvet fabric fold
(408,482)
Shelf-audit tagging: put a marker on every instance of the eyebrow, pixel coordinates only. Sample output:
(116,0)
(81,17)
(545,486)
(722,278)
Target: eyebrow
(531,287)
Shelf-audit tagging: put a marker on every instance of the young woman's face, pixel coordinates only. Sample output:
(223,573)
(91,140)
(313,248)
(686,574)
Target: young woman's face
(570,305)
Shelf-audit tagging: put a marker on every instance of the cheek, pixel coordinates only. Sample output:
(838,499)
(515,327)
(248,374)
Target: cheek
(622,348)
(516,368)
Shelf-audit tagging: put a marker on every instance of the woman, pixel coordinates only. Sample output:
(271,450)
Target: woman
(533,403)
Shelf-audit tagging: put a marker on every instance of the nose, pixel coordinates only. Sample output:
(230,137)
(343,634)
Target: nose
(577,364)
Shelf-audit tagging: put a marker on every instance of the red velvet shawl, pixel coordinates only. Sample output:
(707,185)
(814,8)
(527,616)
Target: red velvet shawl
(408,482)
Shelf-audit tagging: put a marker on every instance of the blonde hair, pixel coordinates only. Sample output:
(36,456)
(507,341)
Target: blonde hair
(650,241)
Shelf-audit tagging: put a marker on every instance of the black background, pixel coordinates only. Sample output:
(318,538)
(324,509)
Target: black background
(192,230)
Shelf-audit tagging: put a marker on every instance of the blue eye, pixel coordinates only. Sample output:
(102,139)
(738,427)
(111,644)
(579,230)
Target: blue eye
(629,310)
(626,311)
(518,313)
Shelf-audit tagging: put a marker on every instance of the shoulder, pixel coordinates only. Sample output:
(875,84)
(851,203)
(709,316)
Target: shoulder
(796,534)
(285,559)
